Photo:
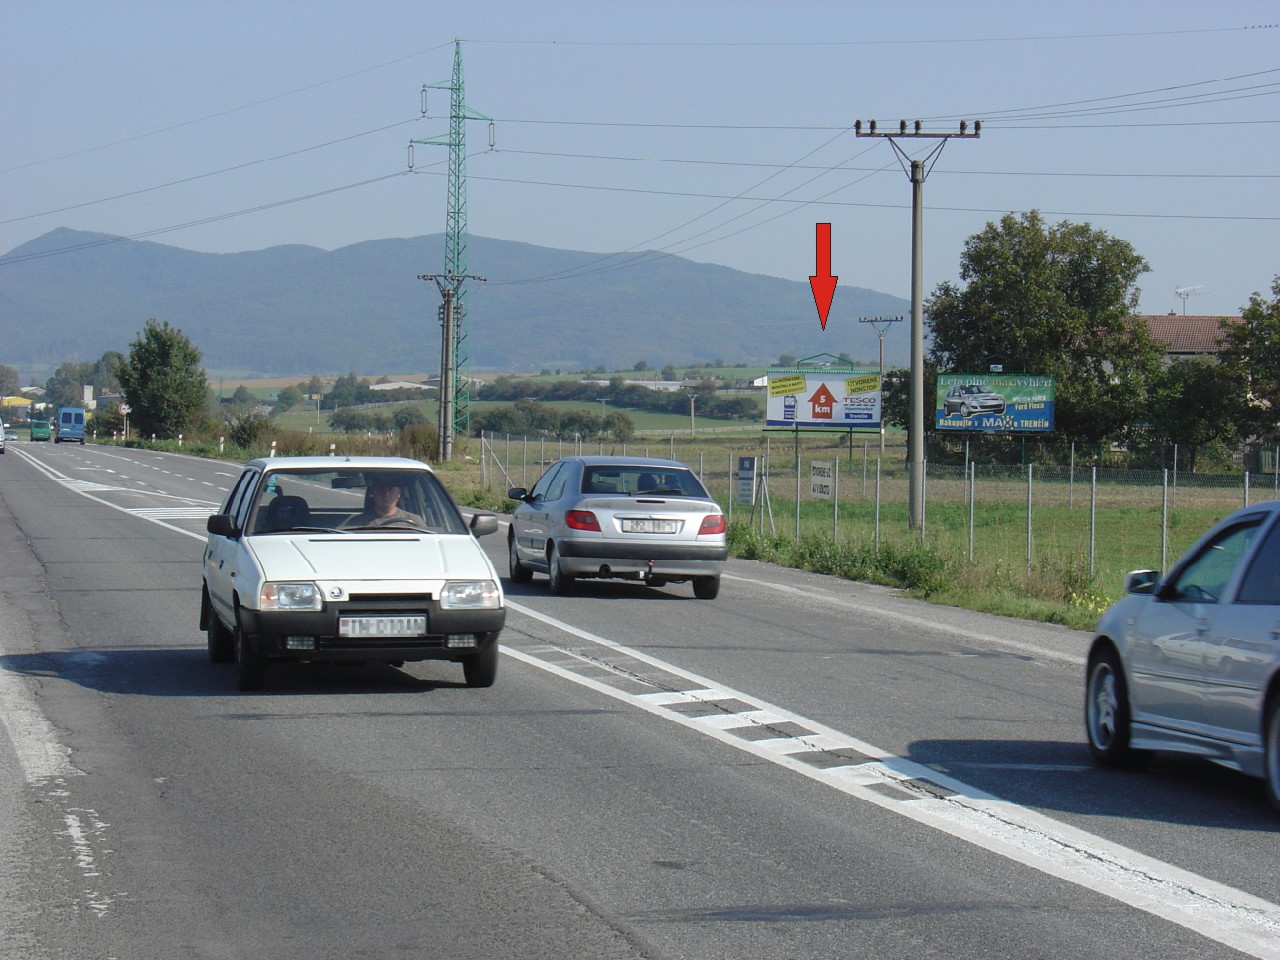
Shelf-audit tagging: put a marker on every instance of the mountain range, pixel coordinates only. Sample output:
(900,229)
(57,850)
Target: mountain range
(296,309)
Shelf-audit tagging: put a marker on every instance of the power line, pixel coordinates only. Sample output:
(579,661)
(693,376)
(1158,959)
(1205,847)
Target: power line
(202,176)
(222,113)
(839,167)
(875,43)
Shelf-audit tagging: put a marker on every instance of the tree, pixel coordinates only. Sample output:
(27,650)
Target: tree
(288,398)
(1252,355)
(406,417)
(163,381)
(348,391)
(1055,301)
(1191,406)
(9,381)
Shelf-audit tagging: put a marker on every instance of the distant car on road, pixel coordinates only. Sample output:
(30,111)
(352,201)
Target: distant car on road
(69,425)
(40,430)
(11,435)
(351,559)
(628,518)
(1191,662)
(970,398)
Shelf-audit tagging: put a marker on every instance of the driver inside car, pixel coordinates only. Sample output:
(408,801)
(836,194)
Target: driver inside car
(383,507)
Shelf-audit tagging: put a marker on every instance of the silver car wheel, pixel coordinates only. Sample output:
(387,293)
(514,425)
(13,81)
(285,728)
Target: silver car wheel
(518,571)
(1271,768)
(1102,707)
(1106,711)
(561,582)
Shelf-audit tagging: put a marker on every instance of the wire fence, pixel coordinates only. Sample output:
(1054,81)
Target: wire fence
(1096,522)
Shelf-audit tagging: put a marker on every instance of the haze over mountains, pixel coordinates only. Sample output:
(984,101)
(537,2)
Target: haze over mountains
(71,296)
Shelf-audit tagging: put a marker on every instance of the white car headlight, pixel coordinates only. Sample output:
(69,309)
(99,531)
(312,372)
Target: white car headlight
(470,595)
(291,596)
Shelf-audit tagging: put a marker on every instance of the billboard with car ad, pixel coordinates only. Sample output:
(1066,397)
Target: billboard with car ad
(994,402)
(843,399)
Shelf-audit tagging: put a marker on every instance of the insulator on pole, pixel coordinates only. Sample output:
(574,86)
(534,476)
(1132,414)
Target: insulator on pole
(424,100)
(492,135)
(410,154)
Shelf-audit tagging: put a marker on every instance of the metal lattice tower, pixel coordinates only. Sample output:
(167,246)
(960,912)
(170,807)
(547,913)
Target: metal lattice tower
(455,239)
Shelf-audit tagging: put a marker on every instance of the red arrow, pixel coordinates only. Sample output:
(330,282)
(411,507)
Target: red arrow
(824,284)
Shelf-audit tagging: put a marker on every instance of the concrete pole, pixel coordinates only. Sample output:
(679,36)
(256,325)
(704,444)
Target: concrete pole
(915,460)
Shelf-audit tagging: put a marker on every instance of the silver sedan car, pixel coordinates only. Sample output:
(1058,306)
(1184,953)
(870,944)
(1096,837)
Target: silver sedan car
(1191,662)
(629,518)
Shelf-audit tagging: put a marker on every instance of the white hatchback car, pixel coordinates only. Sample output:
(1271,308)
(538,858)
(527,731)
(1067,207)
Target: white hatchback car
(348,559)
(1191,662)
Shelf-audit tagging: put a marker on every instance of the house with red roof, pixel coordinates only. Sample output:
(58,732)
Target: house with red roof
(1184,337)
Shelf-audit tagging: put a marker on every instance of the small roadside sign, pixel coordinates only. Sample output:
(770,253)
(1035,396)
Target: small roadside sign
(822,475)
(746,476)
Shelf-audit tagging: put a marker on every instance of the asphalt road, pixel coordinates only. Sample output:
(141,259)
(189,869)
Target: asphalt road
(801,768)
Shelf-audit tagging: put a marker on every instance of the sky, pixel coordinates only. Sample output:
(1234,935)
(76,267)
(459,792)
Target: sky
(713,130)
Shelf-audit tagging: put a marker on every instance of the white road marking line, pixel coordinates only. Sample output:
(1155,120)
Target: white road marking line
(1211,909)
(41,755)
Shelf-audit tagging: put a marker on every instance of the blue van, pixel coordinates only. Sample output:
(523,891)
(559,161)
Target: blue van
(69,426)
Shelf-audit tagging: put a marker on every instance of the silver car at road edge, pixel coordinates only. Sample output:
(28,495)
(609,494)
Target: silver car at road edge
(1191,662)
(629,518)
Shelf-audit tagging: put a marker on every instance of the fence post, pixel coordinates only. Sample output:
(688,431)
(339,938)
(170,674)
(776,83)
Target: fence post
(971,479)
(1093,515)
(1246,488)
(797,492)
(1164,522)
(733,487)
(877,537)
(835,500)
(1071,479)
(1028,518)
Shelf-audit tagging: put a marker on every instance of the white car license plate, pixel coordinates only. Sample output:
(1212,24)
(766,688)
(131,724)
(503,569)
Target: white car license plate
(358,627)
(650,526)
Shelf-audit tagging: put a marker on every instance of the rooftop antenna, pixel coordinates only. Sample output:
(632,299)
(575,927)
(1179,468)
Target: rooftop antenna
(1185,292)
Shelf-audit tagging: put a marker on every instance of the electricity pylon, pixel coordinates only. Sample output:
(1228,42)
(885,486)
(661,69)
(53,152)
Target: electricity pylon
(455,381)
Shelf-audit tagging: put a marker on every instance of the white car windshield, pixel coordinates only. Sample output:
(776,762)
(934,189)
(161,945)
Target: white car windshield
(354,500)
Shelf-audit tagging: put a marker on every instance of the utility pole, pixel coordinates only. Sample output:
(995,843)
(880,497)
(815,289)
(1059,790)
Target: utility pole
(917,171)
(881,325)
(455,239)
(449,285)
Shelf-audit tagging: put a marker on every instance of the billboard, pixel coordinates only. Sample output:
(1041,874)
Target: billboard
(845,399)
(994,402)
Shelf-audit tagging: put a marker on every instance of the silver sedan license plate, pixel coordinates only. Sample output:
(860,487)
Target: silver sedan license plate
(650,526)
(386,626)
